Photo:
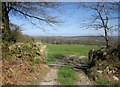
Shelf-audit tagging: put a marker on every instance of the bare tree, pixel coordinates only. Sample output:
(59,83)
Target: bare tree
(31,11)
(104,12)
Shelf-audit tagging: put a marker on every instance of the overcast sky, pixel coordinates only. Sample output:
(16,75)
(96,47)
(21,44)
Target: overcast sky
(72,18)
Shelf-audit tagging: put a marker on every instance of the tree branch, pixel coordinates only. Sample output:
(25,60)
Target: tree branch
(103,37)
(28,14)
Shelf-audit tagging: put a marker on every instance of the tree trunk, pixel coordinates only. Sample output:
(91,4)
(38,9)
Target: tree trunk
(5,22)
(106,38)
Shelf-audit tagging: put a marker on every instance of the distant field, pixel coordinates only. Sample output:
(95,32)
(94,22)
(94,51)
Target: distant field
(79,40)
(56,51)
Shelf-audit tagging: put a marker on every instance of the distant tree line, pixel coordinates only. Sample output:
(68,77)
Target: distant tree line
(77,41)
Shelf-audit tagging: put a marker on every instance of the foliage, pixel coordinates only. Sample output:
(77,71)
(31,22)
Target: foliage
(5,35)
(14,35)
(34,52)
(67,76)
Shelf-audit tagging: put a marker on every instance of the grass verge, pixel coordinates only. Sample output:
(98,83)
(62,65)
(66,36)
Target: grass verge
(67,76)
(106,82)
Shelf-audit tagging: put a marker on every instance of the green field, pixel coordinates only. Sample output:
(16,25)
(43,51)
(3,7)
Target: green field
(56,51)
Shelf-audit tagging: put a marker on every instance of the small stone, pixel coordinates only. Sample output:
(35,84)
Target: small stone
(105,53)
(115,78)
(99,71)
(113,71)
(110,72)
(107,67)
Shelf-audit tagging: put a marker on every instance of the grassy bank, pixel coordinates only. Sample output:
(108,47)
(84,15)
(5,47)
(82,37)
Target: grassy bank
(67,76)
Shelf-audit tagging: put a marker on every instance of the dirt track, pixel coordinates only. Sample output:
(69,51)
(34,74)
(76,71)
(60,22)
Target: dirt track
(51,78)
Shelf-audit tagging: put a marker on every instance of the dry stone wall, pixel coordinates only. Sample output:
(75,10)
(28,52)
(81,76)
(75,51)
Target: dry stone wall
(105,63)
(31,51)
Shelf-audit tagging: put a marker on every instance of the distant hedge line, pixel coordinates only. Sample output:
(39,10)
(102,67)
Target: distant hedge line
(78,41)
